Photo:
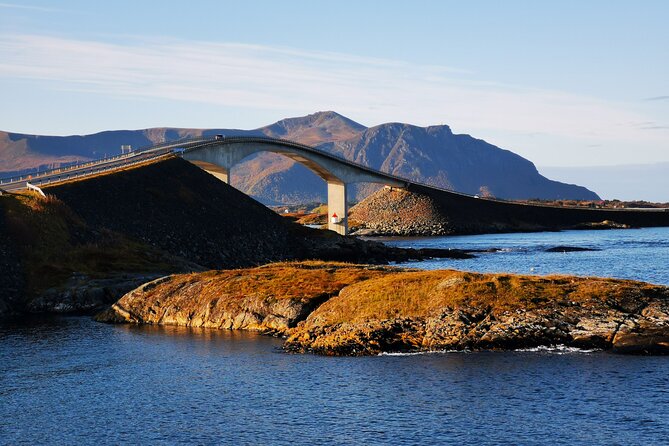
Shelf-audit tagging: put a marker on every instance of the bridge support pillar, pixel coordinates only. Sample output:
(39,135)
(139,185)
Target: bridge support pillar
(221,174)
(337,208)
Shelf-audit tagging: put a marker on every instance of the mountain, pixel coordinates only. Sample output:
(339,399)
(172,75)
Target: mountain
(315,129)
(436,156)
(432,155)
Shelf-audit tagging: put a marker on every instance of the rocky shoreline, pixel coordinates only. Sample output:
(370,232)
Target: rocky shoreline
(344,309)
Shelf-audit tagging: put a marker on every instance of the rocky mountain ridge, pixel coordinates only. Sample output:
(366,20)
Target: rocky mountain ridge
(432,155)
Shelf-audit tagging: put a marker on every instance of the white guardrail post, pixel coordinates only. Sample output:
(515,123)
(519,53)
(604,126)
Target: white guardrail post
(36,189)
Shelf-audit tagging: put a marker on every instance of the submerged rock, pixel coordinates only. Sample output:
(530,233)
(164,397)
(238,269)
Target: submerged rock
(570,249)
(606,224)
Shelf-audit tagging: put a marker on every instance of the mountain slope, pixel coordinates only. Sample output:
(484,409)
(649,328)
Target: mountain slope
(315,129)
(436,156)
(432,155)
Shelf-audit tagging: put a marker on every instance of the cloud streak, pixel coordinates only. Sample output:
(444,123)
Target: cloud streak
(296,81)
(658,98)
(26,7)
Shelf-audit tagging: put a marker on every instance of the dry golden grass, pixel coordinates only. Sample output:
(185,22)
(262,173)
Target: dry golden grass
(312,219)
(322,209)
(285,280)
(425,293)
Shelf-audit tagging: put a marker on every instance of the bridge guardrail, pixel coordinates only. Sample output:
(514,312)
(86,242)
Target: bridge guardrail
(167,143)
(96,171)
(72,173)
(42,181)
(332,156)
(76,166)
(32,176)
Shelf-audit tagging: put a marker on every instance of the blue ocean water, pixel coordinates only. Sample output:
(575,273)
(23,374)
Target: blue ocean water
(639,254)
(69,380)
(74,381)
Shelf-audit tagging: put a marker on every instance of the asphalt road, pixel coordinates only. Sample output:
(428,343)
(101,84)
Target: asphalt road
(92,168)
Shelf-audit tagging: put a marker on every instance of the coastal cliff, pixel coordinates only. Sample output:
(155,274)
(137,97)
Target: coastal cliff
(340,309)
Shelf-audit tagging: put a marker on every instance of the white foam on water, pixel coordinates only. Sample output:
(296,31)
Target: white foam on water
(429,352)
(558,349)
(553,349)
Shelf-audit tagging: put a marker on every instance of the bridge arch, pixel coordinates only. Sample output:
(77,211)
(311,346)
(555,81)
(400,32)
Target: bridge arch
(219,156)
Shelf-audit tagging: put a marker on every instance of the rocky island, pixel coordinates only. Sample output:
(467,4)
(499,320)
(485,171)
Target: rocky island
(344,309)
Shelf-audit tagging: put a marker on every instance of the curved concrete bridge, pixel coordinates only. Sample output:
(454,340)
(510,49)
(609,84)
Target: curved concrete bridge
(221,154)
(468,214)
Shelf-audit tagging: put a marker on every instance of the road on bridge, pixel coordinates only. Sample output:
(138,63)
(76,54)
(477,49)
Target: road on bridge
(96,167)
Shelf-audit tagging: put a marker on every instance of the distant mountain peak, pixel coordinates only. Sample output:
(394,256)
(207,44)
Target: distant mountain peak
(401,126)
(320,119)
(397,131)
(316,128)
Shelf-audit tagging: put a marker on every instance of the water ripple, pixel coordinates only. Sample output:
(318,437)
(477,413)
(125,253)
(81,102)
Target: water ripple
(638,254)
(73,381)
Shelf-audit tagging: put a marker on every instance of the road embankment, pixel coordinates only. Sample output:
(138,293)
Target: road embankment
(423,211)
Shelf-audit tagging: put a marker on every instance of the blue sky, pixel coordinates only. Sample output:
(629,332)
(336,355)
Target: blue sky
(568,83)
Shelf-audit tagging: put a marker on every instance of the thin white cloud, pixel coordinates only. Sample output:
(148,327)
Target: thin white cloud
(292,80)
(28,7)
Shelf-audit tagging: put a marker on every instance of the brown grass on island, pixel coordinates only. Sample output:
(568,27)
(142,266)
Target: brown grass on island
(283,280)
(347,309)
(426,293)
(360,293)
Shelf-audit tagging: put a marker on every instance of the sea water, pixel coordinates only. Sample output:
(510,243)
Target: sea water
(638,254)
(69,380)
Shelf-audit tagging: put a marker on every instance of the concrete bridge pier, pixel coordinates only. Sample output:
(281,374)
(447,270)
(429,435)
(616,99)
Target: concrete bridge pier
(337,208)
(221,173)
